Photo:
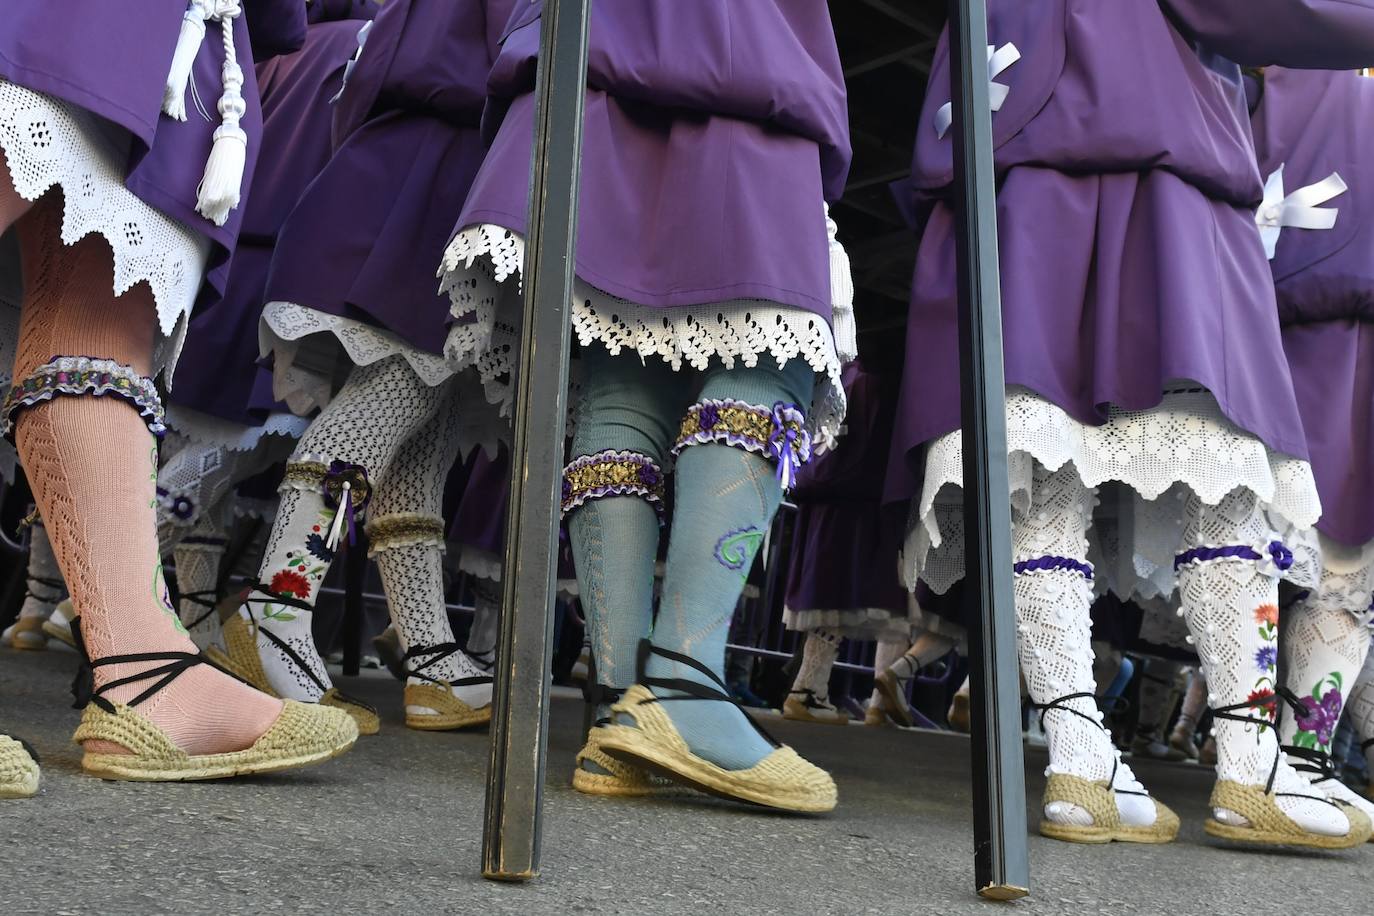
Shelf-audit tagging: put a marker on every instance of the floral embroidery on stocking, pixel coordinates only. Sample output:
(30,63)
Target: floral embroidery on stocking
(164,599)
(1262,698)
(736,550)
(1319,714)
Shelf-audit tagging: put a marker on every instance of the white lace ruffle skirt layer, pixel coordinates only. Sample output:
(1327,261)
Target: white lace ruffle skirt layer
(49,143)
(852,623)
(314,350)
(481,274)
(483,564)
(207,429)
(1152,457)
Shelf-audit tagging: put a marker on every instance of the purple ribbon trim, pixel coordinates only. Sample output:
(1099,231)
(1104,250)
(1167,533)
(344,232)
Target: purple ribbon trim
(1049,564)
(1281,555)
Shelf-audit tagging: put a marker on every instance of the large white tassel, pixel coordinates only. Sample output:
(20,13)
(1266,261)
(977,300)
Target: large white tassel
(841,296)
(188,43)
(221,187)
(345,511)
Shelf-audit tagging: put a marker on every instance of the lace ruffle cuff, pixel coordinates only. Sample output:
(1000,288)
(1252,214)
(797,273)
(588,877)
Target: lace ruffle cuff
(612,473)
(404,530)
(778,434)
(83,375)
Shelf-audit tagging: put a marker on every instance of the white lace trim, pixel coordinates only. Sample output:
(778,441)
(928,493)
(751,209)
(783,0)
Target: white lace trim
(738,330)
(855,623)
(303,388)
(236,437)
(48,143)
(1183,444)
(483,564)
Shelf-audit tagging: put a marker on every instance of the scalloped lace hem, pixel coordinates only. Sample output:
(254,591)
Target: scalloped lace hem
(207,429)
(49,143)
(856,623)
(481,259)
(1158,455)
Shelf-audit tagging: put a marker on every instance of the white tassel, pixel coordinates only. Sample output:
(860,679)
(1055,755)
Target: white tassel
(340,517)
(221,187)
(841,296)
(188,44)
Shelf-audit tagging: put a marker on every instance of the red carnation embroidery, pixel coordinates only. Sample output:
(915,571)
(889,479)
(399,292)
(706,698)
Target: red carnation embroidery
(287,582)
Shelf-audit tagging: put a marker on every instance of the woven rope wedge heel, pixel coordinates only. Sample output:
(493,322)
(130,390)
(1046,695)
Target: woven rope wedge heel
(1099,800)
(780,780)
(303,734)
(433,706)
(611,778)
(242,660)
(19,774)
(1267,825)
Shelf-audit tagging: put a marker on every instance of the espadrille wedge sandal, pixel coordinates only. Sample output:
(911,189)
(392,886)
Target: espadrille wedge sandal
(19,774)
(1266,824)
(303,734)
(59,625)
(781,780)
(804,706)
(598,773)
(241,659)
(1098,799)
(433,706)
(1319,769)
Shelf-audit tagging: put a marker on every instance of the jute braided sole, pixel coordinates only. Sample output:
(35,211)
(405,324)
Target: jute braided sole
(19,774)
(29,635)
(894,698)
(303,734)
(798,711)
(1269,826)
(620,780)
(1100,802)
(242,660)
(449,711)
(959,714)
(781,780)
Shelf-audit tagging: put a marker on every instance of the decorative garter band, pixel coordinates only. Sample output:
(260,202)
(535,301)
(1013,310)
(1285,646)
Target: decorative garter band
(779,434)
(1050,564)
(612,473)
(1274,552)
(84,375)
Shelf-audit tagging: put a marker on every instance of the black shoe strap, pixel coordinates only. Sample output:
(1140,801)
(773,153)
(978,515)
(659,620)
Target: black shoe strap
(809,699)
(58,586)
(438,653)
(84,690)
(1280,697)
(597,695)
(691,690)
(207,600)
(1319,763)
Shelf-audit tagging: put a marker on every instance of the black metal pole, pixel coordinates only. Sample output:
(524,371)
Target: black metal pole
(520,714)
(1001,866)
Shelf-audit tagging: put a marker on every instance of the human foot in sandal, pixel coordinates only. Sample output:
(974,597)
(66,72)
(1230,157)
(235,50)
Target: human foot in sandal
(19,775)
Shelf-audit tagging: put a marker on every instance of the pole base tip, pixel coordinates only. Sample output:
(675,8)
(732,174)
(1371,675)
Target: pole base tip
(1003,892)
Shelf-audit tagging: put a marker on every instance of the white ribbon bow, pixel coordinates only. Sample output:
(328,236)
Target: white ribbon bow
(353,61)
(1298,210)
(998,61)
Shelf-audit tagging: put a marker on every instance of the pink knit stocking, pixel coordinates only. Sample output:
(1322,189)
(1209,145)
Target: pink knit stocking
(92,464)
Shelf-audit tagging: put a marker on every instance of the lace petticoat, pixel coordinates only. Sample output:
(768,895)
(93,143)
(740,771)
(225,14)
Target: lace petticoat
(1157,456)
(481,259)
(852,623)
(48,142)
(207,429)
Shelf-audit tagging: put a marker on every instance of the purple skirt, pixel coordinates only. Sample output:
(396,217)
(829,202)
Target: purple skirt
(366,238)
(843,560)
(1333,373)
(644,233)
(1112,286)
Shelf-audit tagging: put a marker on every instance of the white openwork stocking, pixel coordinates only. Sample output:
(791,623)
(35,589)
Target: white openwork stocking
(888,651)
(1361,710)
(1053,603)
(198,557)
(818,658)
(193,482)
(1228,588)
(45,585)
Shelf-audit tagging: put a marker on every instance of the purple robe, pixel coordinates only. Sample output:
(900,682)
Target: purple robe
(113,62)
(844,553)
(219,374)
(1313,124)
(479,522)
(1129,256)
(407,147)
(741,105)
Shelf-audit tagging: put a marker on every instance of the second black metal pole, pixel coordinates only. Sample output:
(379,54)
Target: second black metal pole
(520,705)
(1001,866)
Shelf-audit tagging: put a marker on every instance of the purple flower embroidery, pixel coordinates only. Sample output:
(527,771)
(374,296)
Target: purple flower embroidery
(648,475)
(567,489)
(1320,716)
(1266,658)
(708,417)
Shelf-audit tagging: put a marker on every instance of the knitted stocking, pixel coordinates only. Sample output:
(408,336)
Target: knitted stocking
(92,464)
(1053,611)
(1229,594)
(197,556)
(818,658)
(357,435)
(43,591)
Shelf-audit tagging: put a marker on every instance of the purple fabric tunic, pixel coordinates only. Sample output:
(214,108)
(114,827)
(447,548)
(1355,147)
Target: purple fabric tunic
(741,105)
(844,553)
(219,373)
(114,62)
(408,146)
(1313,124)
(1129,256)
(479,522)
